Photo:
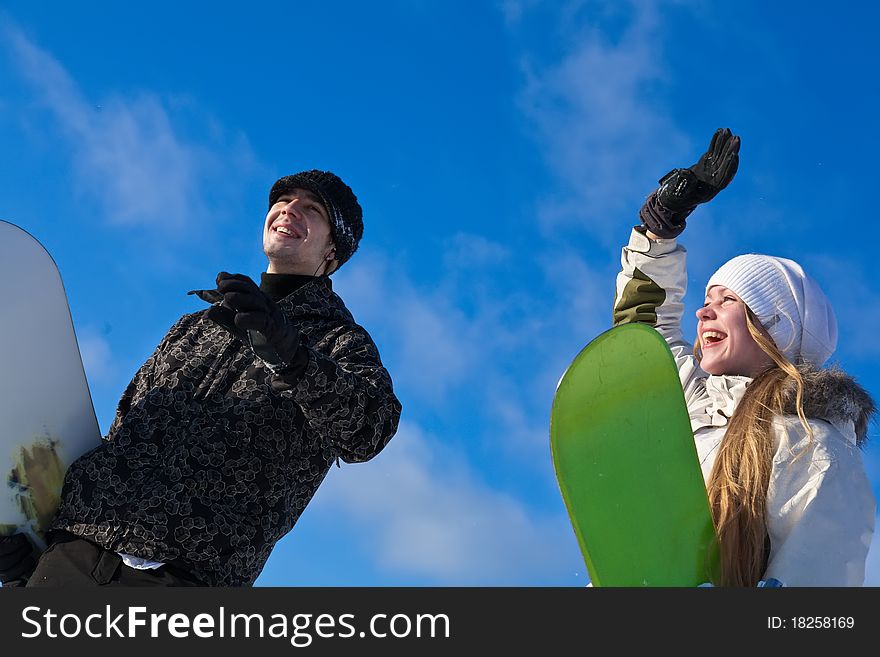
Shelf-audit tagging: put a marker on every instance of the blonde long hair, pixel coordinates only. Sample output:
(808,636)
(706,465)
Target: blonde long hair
(738,483)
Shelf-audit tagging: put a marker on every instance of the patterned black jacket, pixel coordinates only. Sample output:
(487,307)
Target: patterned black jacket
(206,466)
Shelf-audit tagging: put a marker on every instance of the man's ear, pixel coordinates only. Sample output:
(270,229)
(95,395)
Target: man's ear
(330,258)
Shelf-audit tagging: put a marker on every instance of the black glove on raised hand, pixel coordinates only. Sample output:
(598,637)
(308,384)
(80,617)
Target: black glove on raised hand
(16,559)
(258,321)
(681,190)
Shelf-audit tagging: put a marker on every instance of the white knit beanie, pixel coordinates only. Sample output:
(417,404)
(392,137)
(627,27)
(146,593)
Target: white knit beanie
(787,302)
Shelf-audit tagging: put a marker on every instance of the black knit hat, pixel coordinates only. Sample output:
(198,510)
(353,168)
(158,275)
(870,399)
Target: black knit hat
(346,216)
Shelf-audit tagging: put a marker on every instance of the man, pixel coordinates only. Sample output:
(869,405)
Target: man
(225,433)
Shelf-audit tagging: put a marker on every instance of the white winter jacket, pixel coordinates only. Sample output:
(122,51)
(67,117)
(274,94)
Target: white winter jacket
(820,507)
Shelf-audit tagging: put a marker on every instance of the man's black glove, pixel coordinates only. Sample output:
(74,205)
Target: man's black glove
(258,321)
(681,190)
(16,559)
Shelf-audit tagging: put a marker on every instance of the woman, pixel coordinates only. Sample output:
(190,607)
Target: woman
(777,437)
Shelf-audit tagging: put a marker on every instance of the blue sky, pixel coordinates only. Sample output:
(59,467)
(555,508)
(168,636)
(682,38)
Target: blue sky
(501,151)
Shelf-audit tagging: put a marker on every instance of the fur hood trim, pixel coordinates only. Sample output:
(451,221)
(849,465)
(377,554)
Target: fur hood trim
(833,395)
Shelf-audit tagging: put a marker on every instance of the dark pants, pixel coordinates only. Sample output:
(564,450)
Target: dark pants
(73,561)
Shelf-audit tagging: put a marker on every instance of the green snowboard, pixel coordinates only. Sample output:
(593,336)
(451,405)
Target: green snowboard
(627,465)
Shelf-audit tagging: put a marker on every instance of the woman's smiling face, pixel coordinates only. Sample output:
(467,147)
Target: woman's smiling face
(725,341)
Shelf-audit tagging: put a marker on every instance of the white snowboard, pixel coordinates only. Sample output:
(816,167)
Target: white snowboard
(46,415)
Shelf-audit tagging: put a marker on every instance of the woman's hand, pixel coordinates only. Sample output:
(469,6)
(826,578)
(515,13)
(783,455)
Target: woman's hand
(666,210)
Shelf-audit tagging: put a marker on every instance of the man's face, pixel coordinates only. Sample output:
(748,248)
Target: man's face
(296,236)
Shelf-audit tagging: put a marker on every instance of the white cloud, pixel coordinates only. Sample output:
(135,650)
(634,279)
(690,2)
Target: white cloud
(513,10)
(585,291)
(96,356)
(127,153)
(520,429)
(548,336)
(601,123)
(425,512)
(505,349)
(435,345)
(469,253)
(872,567)
(853,294)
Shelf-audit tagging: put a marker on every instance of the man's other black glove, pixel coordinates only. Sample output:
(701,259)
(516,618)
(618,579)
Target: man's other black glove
(273,339)
(681,190)
(16,559)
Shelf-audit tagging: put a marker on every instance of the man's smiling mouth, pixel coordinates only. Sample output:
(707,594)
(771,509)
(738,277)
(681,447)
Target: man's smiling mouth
(287,231)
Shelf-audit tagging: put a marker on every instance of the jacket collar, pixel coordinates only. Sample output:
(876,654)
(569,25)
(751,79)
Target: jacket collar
(315,299)
(829,394)
(725,394)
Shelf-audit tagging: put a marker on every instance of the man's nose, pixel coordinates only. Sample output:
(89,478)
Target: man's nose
(292,207)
